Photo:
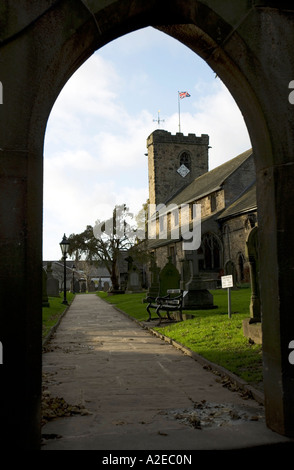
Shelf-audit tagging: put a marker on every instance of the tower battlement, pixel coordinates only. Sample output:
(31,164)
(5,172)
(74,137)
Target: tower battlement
(161,136)
(174,161)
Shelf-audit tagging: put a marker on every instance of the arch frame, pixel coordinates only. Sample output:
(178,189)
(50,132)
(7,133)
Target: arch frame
(249,46)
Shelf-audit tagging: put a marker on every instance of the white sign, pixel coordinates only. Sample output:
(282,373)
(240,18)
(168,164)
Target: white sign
(227,281)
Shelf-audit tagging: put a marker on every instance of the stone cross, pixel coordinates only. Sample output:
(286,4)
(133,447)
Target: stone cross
(197,295)
(192,257)
(154,270)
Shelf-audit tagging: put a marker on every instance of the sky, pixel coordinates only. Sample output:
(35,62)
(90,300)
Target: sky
(95,142)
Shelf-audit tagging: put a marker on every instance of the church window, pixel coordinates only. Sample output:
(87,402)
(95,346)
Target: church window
(172,254)
(212,202)
(161,224)
(241,261)
(211,252)
(176,218)
(226,241)
(185,159)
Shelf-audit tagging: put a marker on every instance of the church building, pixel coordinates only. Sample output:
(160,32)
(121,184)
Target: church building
(178,175)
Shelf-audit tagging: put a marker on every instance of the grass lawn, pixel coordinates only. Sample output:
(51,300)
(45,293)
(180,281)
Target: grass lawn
(210,333)
(52,313)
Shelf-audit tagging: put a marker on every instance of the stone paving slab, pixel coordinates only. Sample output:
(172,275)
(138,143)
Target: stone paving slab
(136,391)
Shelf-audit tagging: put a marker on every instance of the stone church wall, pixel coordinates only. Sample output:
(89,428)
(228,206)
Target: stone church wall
(164,159)
(235,233)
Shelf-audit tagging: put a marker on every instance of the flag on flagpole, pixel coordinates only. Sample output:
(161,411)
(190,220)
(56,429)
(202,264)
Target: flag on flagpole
(181,95)
(184,94)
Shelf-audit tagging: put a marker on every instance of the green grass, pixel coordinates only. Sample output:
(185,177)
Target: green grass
(52,313)
(210,333)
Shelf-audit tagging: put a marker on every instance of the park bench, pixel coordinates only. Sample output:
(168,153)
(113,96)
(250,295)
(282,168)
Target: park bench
(168,303)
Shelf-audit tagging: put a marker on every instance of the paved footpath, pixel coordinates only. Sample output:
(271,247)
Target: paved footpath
(137,392)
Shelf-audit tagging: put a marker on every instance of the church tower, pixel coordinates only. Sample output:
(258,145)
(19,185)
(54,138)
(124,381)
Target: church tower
(174,161)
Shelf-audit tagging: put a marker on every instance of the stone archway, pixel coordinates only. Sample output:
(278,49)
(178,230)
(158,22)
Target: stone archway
(249,45)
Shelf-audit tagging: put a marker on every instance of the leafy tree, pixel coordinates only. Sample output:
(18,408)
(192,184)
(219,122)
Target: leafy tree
(103,243)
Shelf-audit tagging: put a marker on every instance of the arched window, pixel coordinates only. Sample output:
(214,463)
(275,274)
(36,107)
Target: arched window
(241,261)
(211,252)
(172,254)
(226,242)
(213,202)
(185,159)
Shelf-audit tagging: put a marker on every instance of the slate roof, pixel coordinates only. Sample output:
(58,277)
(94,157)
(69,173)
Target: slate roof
(210,181)
(207,184)
(245,203)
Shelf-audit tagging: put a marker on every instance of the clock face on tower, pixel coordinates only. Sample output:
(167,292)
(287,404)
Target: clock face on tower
(183,170)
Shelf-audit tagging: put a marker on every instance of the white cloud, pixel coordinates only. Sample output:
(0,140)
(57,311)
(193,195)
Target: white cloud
(217,115)
(91,95)
(95,145)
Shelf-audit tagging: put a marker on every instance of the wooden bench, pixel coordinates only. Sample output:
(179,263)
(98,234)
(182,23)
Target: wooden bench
(168,304)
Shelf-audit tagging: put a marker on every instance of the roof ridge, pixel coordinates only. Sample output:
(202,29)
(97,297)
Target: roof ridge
(227,163)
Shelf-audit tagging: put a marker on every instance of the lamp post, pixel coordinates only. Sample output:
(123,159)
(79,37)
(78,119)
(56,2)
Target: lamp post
(64,245)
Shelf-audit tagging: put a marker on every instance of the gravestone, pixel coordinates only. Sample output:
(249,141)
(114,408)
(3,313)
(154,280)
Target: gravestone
(185,272)
(99,284)
(169,278)
(134,280)
(45,302)
(52,282)
(77,286)
(92,286)
(106,286)
(197,295)
(252,326)
(83,287)
(154,270)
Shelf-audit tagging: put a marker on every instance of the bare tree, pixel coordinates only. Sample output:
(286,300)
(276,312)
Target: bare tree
(102,244)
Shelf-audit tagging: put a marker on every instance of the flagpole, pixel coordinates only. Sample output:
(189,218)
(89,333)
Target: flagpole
(182,94)
(179,111)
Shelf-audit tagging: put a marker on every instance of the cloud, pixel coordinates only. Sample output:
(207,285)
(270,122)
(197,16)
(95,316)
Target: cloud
(95,142)
(217,115)
(93,150)
(86,98)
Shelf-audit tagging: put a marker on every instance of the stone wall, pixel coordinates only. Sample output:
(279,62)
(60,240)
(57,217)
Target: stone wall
(235,232)
(212,203)
(164,157)
(249,46)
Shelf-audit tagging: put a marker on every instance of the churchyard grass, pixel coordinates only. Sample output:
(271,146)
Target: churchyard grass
(210,333)
(52,313)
